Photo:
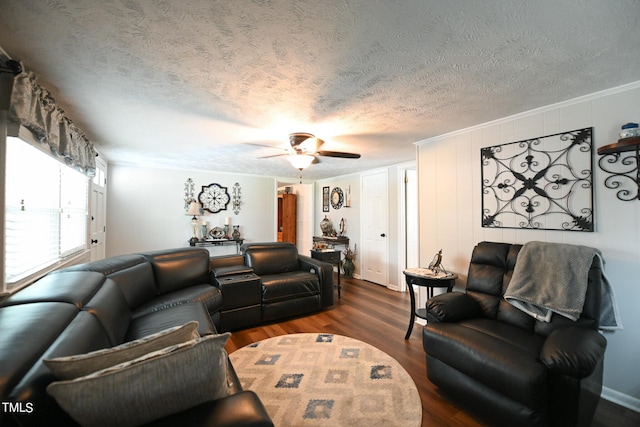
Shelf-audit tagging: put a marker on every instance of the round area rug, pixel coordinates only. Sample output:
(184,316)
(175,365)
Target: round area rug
(326,379)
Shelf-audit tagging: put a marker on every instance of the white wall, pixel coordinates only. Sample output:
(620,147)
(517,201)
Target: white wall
(146,208)
(450,211)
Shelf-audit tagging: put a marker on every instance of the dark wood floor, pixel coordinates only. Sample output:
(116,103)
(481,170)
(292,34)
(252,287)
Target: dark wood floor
(378,316)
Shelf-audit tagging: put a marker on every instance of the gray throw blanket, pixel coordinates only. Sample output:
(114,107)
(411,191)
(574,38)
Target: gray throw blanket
(552,278)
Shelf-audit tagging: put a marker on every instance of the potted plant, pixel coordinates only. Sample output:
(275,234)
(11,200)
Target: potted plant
(347,265)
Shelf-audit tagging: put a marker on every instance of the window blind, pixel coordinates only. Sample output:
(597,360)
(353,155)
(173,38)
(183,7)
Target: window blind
(45,211)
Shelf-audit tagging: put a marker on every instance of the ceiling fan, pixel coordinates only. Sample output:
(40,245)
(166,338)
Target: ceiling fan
(305,148)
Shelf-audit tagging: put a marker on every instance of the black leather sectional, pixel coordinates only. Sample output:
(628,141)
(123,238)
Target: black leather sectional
(105,303)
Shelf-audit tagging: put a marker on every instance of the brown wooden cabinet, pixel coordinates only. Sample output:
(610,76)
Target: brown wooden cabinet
(287,218)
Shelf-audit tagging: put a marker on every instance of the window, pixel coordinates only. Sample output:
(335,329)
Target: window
(46,206)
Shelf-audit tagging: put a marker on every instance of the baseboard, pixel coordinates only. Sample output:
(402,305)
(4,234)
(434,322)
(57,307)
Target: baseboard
(621,399)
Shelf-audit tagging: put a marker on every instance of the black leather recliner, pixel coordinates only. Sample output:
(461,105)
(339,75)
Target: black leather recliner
(502,364)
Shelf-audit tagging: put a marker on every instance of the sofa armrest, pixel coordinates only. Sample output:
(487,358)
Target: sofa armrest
(230,270)
(452,307)
(225,261)
(573,351)
(324,270)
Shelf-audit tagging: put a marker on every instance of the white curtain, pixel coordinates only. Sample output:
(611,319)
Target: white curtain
(33,107)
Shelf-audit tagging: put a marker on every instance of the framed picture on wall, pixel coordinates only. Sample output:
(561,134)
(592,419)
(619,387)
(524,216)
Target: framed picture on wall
(325,199)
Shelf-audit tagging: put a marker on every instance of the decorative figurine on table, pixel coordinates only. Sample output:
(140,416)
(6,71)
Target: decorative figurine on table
(436,264)
(327,227)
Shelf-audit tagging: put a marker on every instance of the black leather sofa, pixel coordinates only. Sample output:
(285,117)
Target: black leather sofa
(506,366)
(270,281)
(102,304)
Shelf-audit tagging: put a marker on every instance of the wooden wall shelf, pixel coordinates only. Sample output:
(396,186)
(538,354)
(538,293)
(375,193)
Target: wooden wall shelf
(623,145)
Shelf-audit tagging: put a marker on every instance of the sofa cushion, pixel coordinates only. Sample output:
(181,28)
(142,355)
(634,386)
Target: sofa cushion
(82,335)
(177,269)
(131,393)
(174,316)
(490,270)
(206,294)
(271,258)
(75,288)
(505,359)
(286,286)
(132,273)
(240,409)
(27,332)
(79,365)
(112,310)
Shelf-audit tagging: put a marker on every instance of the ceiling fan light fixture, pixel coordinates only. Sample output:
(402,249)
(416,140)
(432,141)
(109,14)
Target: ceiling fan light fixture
(300,161)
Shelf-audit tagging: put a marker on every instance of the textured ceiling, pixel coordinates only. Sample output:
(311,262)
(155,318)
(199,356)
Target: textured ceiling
(189,83)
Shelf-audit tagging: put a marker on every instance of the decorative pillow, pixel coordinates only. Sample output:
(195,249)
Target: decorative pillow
(153,386)
(70,367)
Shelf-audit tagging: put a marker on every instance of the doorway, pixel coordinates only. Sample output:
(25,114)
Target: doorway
(374,223)
(408,254)
(304,214)
(99,211)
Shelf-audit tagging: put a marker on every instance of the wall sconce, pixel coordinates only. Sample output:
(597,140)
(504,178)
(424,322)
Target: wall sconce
(622,161)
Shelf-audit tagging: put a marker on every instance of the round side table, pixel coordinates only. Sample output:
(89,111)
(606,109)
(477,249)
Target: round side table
(425,277)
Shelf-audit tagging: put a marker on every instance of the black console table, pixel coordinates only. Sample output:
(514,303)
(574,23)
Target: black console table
(220,242)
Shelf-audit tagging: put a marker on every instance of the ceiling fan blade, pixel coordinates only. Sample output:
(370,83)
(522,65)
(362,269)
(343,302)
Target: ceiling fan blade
(274,155)
(267,146)
(338,154)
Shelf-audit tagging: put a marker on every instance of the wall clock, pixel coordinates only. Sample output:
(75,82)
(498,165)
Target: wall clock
(337,198)
(214,198)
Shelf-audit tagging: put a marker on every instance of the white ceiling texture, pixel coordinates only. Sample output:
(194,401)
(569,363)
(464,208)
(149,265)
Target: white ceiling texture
(190,84)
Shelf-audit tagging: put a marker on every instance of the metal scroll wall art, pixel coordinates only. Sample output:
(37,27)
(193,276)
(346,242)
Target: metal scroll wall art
(543,183)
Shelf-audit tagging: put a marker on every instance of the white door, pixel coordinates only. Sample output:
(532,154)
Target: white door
(375,250)
(99,211)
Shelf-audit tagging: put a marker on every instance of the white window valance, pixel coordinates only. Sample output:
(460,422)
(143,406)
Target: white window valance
(33,107)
